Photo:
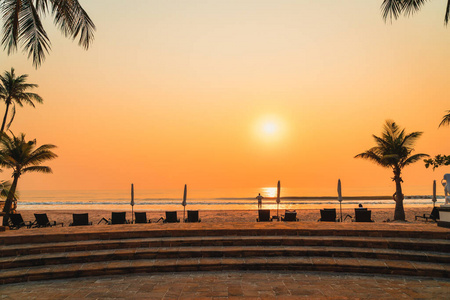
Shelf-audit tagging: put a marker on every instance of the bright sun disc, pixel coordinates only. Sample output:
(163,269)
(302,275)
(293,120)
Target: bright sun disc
(269,128)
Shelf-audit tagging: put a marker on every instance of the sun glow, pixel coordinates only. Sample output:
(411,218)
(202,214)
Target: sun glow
(269,128)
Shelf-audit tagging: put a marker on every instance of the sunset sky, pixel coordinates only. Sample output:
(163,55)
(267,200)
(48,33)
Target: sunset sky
(234,94)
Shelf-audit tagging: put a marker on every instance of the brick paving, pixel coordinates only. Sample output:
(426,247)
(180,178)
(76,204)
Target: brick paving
(233,285)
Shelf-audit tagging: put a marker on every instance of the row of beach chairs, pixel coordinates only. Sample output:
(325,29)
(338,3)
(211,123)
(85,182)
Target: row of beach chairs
(326,215)
(141,218)
(41,220)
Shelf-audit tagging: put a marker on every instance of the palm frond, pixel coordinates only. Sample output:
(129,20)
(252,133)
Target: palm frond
(73,21)
(391,9)
(414,158)
(381,142)
(41,6)
(10,10)
(410,139)
(447,13)
(33,34)
(446,119)
(372,156)
(22,24)
(13,114)
(411,6)
(38,169)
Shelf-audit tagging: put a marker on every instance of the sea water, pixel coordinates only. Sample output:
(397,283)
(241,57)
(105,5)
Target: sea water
(201,199)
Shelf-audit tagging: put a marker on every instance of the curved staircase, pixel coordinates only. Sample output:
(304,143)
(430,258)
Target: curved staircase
(53,253)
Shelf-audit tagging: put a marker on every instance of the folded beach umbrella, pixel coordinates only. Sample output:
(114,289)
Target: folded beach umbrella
(278,199)
(434,193)
(184,201)
(339,190)
(132,203)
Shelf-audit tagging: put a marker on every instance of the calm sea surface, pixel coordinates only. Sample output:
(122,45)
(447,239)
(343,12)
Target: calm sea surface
(162,200)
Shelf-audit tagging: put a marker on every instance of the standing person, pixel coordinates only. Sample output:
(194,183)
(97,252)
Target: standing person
(259,197)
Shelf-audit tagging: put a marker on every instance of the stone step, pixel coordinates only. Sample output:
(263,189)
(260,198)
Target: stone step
(229,251)
(335,264)
(324,241)
(134,231)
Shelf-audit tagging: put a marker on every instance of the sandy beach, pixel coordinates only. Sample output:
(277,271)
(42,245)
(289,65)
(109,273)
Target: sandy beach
(216,216)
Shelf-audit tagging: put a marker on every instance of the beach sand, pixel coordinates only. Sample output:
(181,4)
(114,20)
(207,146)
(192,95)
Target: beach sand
(223,216)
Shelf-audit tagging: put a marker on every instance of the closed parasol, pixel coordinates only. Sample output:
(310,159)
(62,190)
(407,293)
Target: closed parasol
(278,199)
(339,190)
(184,201)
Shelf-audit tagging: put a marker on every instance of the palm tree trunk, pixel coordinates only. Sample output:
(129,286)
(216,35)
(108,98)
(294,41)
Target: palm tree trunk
(399,213)
(9,200)
(6,114)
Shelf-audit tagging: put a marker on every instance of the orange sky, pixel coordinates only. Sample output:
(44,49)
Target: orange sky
(176,92)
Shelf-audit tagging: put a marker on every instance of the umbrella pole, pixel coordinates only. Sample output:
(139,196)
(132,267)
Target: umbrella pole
(278,208)
(132,214)
(340,208)
(184,214)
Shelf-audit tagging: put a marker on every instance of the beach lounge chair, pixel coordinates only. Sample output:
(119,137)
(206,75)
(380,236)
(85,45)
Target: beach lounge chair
(43,221)
(264,215)
(363,215)
(141,218)
(80,220)
(328,215)
(289,216)
(17,222)
(192,216)
(118,218)
(171,217)
(434,215)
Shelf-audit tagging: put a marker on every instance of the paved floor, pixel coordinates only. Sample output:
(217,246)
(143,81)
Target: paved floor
(223,285)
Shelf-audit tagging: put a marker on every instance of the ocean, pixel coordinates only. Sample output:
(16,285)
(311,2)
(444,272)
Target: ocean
(217,199)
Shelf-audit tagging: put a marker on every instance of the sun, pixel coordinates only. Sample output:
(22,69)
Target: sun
(269,127)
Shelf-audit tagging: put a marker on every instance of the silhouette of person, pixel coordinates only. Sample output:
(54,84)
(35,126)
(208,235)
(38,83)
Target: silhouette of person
(259,197)
(360,205)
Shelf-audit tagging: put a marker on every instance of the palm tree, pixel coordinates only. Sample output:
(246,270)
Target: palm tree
(393,150)
(13,90)
(23,157)
(392,9)
(445,120)
(22,24)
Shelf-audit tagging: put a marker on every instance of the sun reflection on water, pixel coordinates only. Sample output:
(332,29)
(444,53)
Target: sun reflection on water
(269,192)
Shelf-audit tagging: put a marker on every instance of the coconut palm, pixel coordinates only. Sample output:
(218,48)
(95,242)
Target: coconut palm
(392,9)
(393,150)
(22,25)
(445,120)
(14,90)
(22,157)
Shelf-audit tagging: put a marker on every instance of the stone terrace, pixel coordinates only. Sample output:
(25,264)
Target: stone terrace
(377,248)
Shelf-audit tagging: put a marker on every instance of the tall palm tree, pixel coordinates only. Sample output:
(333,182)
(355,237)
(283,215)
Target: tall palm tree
(445,120)
(14,90)
(393,150)
(22,24)
(22,157)
(392,9)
